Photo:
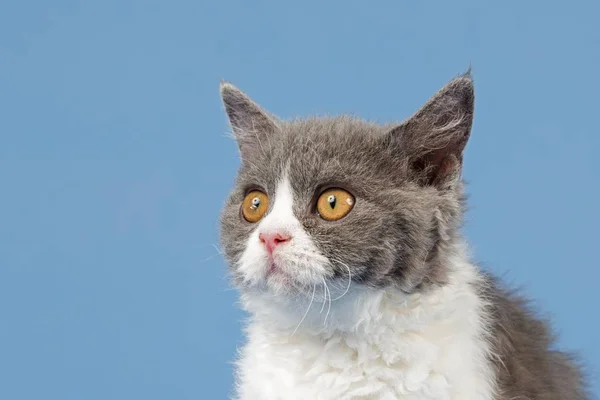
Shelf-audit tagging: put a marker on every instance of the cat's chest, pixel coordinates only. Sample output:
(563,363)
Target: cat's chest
(430,363)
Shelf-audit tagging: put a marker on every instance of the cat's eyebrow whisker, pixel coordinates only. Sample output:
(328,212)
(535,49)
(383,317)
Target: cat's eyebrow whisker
(307,310)
(310,140)
(257,137)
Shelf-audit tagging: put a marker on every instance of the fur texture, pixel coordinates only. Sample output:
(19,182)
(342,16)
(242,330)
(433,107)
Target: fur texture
(383,303)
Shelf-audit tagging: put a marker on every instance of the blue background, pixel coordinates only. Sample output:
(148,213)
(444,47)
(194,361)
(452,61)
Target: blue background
(115,160)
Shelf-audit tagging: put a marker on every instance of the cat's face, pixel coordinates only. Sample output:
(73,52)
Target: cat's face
(342,202)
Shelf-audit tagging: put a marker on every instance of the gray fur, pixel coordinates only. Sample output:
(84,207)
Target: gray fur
(407,216)
(527,365)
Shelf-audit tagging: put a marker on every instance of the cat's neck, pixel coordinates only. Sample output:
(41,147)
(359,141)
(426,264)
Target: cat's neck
(363,310)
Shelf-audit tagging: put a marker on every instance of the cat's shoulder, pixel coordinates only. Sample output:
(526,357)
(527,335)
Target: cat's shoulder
(522,342)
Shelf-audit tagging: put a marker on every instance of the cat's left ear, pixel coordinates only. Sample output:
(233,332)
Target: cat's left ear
(251,124)
(434,138)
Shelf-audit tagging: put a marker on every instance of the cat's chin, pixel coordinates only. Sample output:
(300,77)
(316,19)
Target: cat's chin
(313,309)
(282,286)
(278,283)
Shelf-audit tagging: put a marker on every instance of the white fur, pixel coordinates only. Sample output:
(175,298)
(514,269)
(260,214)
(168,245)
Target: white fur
(374,344)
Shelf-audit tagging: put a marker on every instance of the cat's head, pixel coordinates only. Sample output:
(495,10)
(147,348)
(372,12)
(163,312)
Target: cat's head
(340,201)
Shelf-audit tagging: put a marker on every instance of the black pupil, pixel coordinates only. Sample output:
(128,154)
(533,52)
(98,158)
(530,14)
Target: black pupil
(331,201)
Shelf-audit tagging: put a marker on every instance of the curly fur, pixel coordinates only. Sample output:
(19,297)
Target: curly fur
(384,303)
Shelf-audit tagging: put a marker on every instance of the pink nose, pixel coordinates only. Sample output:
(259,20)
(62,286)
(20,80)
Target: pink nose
(271,240)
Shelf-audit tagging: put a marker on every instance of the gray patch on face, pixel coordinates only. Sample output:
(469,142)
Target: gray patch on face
(405,178)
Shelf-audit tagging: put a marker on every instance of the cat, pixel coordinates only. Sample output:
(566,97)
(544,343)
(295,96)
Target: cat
(343,238)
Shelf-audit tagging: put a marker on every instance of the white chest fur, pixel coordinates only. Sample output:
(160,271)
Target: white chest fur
(428,346)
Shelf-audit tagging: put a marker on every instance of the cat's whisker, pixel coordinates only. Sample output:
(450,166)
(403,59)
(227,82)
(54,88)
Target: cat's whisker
(349,282)
(307,310)
(329,307)
(216,248)
(324,295)
(209,258)
(219,253)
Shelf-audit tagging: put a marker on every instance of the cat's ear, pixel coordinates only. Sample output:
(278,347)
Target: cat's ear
(250,124)
(434,138)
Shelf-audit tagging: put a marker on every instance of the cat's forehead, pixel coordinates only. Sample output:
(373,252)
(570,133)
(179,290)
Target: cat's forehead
(330,134)
(320,150)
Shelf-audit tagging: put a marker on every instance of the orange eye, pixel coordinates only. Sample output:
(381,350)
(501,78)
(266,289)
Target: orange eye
(334,204)
(255,206)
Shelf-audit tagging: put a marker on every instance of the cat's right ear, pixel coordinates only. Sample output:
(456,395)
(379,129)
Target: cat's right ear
(250,124)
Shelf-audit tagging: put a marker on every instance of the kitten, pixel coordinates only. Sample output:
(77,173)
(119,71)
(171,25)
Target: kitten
(343,239)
